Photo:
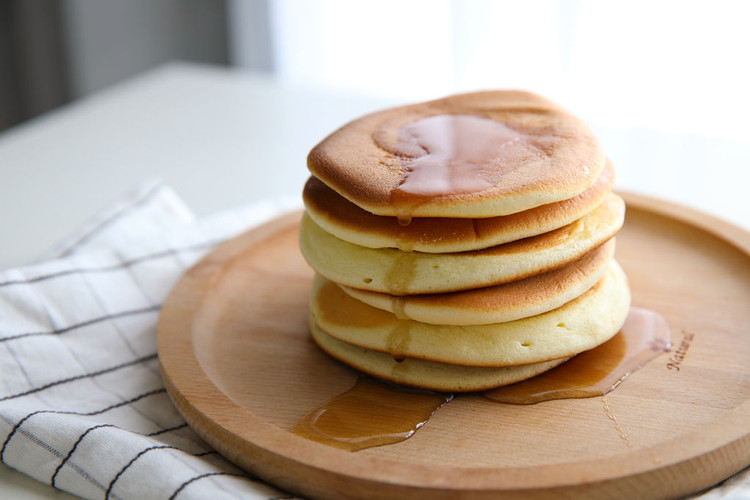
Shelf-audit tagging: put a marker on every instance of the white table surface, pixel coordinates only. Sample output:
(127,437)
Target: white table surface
(225,138)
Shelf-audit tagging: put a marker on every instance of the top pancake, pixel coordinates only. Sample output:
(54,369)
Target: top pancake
(481,154)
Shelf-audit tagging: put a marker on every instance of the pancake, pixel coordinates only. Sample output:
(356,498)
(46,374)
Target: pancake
(474,155)
(579,325)
(347,221)
(497,304)
(426,374)
(396,272)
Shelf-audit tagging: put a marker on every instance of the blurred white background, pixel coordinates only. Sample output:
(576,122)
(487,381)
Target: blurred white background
(665,65)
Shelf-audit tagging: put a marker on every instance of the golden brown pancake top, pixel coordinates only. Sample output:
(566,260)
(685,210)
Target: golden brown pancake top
(480,154)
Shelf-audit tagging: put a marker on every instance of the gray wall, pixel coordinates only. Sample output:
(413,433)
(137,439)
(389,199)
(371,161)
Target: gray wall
(33,70)
(109,40)
(54,51)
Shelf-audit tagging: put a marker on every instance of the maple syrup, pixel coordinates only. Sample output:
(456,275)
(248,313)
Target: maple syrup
(374,413)
(402,272)
(644,336)
(370,414)
(403,220)
(457,154)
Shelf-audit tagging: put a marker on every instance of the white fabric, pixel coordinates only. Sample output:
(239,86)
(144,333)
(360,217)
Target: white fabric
(82,404)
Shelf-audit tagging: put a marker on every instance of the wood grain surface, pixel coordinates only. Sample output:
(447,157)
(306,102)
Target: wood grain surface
(238,362)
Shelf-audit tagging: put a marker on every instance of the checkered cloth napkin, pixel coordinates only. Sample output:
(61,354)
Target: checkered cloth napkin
(82,405)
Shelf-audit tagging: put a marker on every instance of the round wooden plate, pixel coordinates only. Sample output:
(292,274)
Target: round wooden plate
(238,363)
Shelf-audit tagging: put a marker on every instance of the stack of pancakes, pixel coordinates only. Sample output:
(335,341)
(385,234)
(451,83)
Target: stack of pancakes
(464,243)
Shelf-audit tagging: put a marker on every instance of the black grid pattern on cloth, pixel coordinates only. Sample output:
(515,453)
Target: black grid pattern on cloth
(82,405)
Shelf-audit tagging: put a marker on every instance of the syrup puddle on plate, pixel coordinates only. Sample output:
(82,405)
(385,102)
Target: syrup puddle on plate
(644,336)
(370,414)
(374,413)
